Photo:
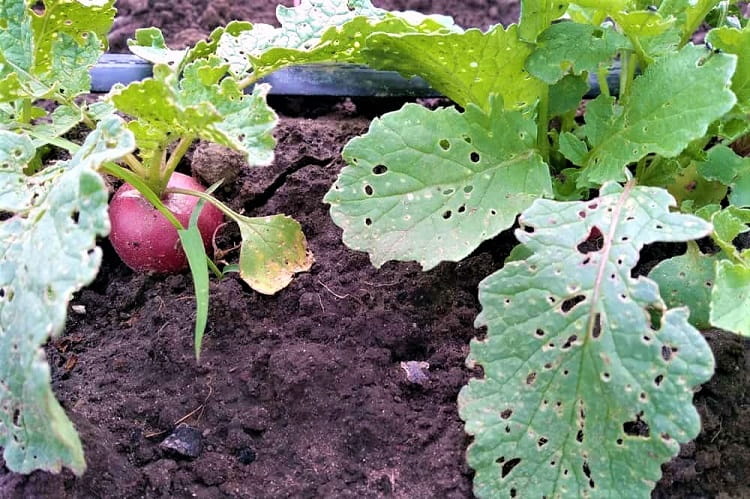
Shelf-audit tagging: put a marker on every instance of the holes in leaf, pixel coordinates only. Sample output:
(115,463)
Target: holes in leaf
(507,413)
(587,472)
(379,169)
(569,342)
(528,229)
(548,365)
(606,377)
(596,331)
(531,378)
(507,429)
(368,221)
(597,33)
(16,417)
(539,333)
(509,465)
(582,214)
(668,352)
(448,192)
(593,243)
(369,190)
(468,189)
(444,144)
(637,428)
(466,138)
(568,304)
(658,380)
(579,436)
(447,214)
(512,492)
(474,157)
(655,316)
(494,212)
(619,441)
(462,208)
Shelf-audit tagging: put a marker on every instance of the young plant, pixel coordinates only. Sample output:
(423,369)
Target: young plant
(588,374)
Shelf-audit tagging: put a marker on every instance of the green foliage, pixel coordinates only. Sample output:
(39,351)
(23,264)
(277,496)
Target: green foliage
(574,360)
(435,194)
(731,297)
(58,218)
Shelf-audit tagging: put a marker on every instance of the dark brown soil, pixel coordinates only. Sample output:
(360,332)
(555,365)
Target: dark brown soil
(302,394)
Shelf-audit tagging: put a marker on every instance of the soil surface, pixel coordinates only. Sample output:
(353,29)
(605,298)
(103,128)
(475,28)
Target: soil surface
(303,394)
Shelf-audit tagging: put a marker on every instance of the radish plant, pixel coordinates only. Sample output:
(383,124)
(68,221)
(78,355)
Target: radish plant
(588,370)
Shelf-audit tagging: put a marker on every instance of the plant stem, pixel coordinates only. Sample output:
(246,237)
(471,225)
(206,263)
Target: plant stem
(207,197)
(543,125)
(248,80)
(174,159)
(627,74)
(601,77)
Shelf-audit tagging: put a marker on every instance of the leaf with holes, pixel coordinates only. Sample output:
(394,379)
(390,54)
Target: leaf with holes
(56,224)
(687,280)
(585,370)
(672,104)
(724,165)
(573,48)
(432,185)
(48,54)
(467,67)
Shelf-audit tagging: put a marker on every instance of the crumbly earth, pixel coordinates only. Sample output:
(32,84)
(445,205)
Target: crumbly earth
(303,394)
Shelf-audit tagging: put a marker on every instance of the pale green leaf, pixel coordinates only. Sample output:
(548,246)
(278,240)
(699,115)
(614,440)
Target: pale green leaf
(573,148)
(730,298)
(467,67)
(149,44)
(735,41)
(572,48)
(432,185)
(565,95)
(49,252)
(201,104)
(670,105)
(730,223)
(588,379)
(687,280)
(688,184)
(16,152)
(273,250)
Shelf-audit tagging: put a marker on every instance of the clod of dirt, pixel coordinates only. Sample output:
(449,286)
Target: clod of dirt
(416,371)
(212,162)
(246,455)
(185,441)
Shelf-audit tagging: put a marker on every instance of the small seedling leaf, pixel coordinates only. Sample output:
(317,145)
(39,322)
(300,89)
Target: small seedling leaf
(468,67)
(585,370)
(49,252)
(724,165)
(572,48)
(273,249)
(670,105)
(432,185)
(537,15)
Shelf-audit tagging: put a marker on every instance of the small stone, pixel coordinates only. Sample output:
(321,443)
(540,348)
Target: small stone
(79,309)
(246,455)
(184,441)
(415,371)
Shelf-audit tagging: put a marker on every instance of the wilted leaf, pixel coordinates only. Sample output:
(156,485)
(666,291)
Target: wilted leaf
(588,379)
(273,250)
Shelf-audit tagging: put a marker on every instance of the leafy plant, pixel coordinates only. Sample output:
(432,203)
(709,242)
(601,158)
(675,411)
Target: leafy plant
(588,374)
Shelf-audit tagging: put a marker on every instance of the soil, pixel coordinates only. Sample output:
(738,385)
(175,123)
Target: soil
(302,394)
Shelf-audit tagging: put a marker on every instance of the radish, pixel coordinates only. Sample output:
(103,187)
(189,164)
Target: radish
(144,239)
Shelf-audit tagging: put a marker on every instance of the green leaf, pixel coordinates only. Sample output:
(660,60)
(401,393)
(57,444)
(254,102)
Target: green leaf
(58,227)
(572,48)
(724,165)
(467,67)
(688,184)
(432,185)
(687,280)
(192,243)
(341,44)
(201,104)
(735,41)
(565,95)
(573,148)
(730,298)
(689,13)
(273,250)
(730,223)
(588,379)
(537,15)
(53,49)
(670,105)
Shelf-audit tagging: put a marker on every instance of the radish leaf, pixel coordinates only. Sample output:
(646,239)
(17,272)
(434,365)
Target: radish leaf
(585,370)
